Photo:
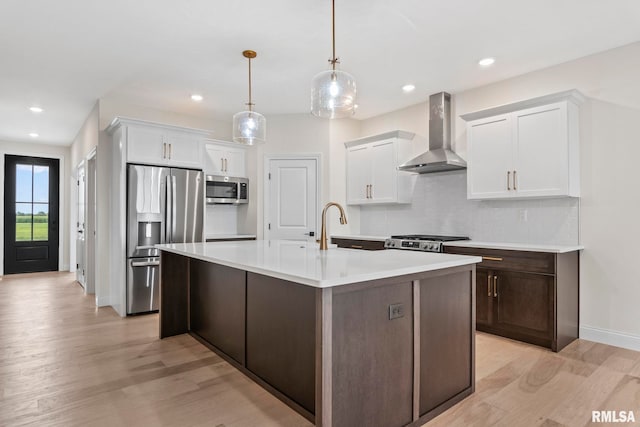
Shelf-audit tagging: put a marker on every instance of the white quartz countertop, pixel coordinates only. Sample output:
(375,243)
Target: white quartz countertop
(230,236)
(361,237)
(557,249)
(305,263)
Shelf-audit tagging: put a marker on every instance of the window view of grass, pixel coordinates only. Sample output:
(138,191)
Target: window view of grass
(24,226)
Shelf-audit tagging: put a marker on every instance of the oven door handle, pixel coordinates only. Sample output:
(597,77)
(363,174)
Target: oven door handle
(145,263)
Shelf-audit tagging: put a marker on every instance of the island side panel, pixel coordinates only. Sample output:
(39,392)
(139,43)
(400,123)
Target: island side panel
(567,288)
(281,335)
(217,312)
(372,379)
(174,290)
(446,340)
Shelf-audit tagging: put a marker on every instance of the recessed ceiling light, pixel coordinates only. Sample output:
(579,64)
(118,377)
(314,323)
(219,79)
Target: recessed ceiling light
(36,109)
(355,106)
(408,88)
(485,62)
(197,97)
(33,135)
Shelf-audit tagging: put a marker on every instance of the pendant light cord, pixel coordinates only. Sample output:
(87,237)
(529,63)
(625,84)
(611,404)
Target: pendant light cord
(333,60)
(250,104)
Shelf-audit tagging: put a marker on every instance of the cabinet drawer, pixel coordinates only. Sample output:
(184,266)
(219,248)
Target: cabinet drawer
(532,262)
(368,245)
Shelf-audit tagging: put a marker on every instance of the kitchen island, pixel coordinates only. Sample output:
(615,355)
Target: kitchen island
(345,337)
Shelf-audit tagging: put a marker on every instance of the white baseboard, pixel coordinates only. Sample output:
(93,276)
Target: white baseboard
(605,336)
(102,302)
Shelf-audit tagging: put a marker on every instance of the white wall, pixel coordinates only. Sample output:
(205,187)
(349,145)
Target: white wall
(50,151)
(341,131)
(111,108)
(609,226)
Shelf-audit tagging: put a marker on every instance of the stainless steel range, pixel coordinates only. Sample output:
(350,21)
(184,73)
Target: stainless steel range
(420,242)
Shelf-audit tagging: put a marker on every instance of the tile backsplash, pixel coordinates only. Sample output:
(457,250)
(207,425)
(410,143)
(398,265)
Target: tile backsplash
(440,206)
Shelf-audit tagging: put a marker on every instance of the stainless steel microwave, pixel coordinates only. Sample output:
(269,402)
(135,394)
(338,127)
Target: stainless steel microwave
(227,190)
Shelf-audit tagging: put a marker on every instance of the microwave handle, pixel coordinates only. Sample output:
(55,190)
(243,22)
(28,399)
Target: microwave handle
(238,190)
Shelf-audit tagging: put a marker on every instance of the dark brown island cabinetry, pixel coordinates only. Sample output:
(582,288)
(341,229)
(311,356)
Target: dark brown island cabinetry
(527,296)
(368,245)
(390,352)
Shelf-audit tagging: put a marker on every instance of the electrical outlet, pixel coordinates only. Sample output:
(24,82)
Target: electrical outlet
(396,311)
(522,215)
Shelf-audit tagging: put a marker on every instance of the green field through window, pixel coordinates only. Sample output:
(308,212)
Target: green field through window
(24,228)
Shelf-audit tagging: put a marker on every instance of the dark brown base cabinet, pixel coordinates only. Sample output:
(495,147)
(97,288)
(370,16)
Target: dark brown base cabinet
(336,355)
(367,245)
(527,296)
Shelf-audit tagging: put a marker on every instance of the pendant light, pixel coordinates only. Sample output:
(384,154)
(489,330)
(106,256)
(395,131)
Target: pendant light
(249,127)
(333,92)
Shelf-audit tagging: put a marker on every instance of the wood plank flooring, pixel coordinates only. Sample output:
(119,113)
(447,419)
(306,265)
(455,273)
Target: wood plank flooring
(64,362)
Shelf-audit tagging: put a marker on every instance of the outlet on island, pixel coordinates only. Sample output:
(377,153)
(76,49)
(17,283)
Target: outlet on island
(396,311)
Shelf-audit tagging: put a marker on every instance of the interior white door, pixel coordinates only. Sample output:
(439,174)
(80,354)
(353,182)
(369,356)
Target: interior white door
(80,226)
(90,225)
(293,199)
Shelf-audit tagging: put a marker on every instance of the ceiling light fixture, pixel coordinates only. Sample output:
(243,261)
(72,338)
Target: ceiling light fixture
(196,97)
(485,62)
(408,88)
(33,135)
(333,92)
(35,109)
(249,127)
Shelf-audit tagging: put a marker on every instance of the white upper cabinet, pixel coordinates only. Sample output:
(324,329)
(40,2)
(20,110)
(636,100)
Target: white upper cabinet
(224,158)
(163,145)
(525,149)
(372,169)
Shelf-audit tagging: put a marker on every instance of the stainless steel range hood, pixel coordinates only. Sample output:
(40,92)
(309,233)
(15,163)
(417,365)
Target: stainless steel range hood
(439,158)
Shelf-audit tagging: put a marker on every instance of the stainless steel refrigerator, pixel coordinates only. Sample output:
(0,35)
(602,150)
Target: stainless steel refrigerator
(164,205)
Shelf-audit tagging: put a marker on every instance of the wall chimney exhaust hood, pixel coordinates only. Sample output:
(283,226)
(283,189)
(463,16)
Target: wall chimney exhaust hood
(439,158)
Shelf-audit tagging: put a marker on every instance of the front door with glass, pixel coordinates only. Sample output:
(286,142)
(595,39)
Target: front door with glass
(31,201)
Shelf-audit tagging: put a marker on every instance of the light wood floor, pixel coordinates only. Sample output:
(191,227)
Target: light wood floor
(64,362)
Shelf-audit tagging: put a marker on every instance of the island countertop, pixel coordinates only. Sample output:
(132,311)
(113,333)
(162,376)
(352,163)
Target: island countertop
(305,263)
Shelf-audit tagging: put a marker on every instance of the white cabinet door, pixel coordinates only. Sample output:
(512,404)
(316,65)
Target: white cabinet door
(525,149)
(224,160)
(358,174)
(183,150)
(146,145)
(490,153)
(542,153)
(384,181)
(235,162)
(214,160)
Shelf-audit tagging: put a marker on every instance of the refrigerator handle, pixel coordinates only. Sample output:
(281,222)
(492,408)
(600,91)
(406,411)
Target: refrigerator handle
(173,207)
(167,214)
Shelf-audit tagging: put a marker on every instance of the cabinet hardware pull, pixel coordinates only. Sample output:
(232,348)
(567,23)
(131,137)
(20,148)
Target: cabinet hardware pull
(491,258)
(170,150)
(221,164)
(367,191)
(371,191)
(508,180)
(495,286)
(226,165)
(164,150)
(488,286)
(357,246)
(514,180)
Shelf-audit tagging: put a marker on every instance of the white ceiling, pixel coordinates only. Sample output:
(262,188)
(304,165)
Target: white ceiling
(64,55)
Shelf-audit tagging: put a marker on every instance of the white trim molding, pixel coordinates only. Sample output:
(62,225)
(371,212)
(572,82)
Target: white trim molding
(606,336)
